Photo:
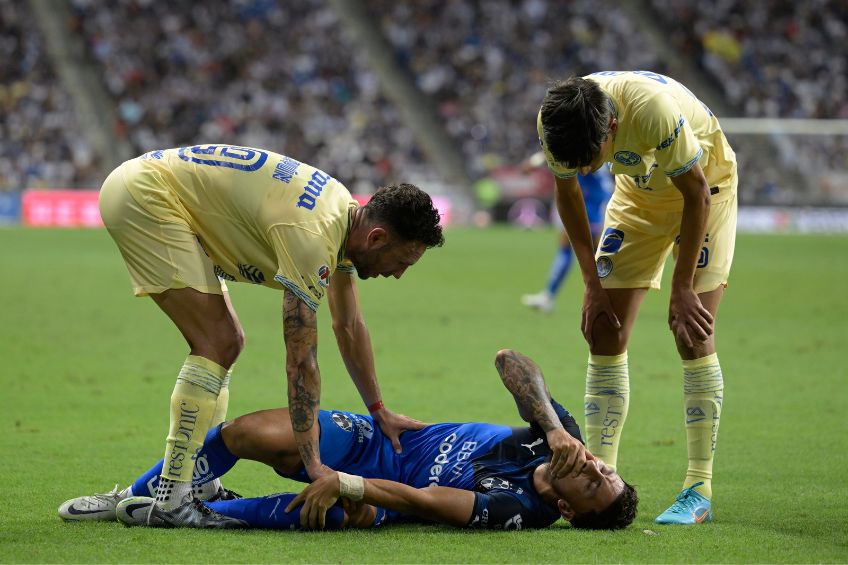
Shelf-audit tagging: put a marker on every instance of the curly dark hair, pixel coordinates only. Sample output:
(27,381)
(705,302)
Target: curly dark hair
(616,516)
(408,211)
(575,120)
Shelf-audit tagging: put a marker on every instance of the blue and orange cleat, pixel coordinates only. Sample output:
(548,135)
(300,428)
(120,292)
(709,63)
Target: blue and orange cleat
(691,507)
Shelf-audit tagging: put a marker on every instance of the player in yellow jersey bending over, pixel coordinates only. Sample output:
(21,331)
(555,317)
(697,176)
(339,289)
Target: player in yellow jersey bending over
(675,189)
(187,219)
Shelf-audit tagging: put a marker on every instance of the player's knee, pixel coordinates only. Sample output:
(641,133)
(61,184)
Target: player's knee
(239,435)
(229,344)
(607,339)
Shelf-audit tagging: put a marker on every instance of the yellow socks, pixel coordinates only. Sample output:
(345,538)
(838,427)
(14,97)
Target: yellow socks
(193,405)
(703,389)
(223,401)
(606,401)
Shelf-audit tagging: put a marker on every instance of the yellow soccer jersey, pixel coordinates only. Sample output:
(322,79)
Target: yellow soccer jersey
(262,217)
(663,130)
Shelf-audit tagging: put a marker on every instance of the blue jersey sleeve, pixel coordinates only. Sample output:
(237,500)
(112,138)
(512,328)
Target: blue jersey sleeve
(507,510)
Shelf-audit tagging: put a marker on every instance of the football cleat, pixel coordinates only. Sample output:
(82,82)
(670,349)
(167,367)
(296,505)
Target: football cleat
(143,511)
(224,494)
(93,507)
(691,507)
(541,301)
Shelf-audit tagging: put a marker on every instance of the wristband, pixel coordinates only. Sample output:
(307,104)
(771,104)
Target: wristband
(351,486)
(376,406)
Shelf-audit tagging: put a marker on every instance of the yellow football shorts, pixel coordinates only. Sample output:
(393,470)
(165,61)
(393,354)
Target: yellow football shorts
(636,242)
(158,246)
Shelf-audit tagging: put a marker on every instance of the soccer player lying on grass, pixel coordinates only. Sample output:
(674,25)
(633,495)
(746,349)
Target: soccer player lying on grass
(467,475)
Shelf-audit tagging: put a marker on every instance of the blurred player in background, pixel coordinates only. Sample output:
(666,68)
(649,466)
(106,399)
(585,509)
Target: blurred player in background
(471,475)
(675,190)
(187,219)
(597,188)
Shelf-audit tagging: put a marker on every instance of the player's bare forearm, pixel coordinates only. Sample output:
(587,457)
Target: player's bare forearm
(352,336)
(696,209)
(444,505)
(300,331)
(524,379)
(572,211)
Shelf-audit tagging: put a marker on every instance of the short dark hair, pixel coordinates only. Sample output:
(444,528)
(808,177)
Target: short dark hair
(575,120)
(408,211)
(616,516)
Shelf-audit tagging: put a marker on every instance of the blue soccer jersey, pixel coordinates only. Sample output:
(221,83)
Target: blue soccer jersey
(496,462)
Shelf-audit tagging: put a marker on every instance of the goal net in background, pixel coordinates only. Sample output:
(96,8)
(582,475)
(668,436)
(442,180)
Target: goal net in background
(793,173)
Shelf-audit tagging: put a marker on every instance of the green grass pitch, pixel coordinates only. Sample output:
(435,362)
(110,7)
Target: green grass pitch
(87,369)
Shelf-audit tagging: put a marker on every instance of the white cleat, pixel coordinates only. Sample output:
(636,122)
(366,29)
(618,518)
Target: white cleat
(93,507)
(136,511)
(541,301)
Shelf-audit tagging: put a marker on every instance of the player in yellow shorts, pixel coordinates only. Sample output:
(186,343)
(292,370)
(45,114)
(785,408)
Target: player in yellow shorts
(188,219)
(675,190)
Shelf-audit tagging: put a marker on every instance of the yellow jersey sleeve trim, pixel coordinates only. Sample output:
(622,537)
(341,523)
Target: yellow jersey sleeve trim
(297,291)
(688,166)
(567,175)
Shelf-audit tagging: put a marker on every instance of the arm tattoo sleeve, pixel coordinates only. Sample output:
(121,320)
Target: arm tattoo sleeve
(300,331)
(523,378)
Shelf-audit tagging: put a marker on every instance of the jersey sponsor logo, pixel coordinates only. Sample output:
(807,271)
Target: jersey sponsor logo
(313,190)
(643,180)
(441,461)
(670,139)
(612,240)
(324,276)
(251,273)
(490,483)
(530,446)
(342,421)
(364,430)
(604,266)
(222,274)
(514,523)
(286,169)
(627,158)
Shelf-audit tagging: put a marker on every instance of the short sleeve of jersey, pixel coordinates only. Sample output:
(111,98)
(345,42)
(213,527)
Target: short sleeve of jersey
(558,169)
(664,127)
(304,259)
(346,266)
(506,510)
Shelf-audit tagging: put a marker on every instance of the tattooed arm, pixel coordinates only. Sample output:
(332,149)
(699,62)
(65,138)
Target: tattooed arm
(355,347)
(524,379)
(300,331)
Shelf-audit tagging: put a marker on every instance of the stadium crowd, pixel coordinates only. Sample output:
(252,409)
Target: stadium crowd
(40,143)
(282,76)
(287,77)
(488,64)
(778,59)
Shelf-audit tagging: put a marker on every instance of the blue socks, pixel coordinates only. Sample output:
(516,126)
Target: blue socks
(559,268)
(270,512)
(213,460)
